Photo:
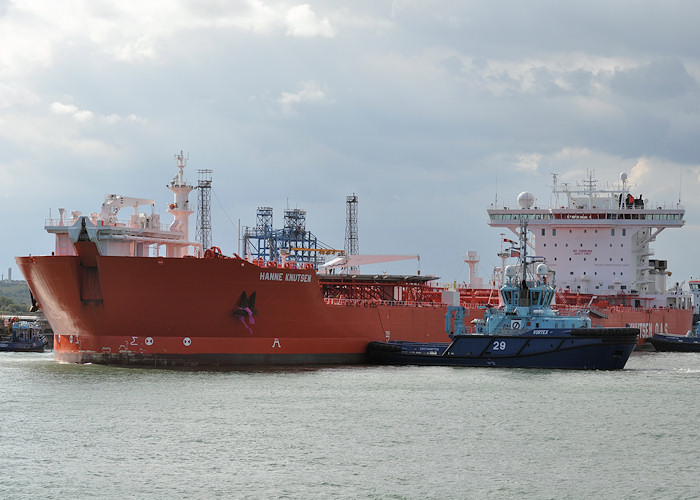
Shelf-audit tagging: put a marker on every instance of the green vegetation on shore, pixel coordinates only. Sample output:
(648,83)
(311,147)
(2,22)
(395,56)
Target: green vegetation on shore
(14,297)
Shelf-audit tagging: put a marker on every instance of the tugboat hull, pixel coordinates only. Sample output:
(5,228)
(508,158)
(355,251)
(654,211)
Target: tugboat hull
(578,349)
(675,343)
(23,346)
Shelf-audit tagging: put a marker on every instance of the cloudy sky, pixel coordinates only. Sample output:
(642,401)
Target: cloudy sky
(427,110)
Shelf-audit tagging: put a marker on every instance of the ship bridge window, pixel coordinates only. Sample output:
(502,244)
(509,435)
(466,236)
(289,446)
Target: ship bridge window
(554,231)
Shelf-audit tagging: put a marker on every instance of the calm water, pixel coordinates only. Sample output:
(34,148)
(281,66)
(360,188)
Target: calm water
(70,431)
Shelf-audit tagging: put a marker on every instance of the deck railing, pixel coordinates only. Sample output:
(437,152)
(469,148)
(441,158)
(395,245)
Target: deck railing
(338,301)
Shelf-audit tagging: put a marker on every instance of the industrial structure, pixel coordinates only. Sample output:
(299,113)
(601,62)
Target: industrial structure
(352,242)
(292,242)
(203,230)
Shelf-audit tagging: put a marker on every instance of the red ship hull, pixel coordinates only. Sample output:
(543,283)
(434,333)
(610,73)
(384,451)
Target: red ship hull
(179,311)
(649,321)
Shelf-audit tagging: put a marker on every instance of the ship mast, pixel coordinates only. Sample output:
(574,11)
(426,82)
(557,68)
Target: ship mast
(180,207)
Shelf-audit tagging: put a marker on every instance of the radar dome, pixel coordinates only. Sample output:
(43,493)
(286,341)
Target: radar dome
(511,271)
(542,269)
(623,177)
(526,199)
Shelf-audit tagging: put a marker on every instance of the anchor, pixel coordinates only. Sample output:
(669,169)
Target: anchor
(246,310)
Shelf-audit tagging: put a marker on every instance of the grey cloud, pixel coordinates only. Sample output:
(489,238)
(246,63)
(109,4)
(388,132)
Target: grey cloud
(660,79)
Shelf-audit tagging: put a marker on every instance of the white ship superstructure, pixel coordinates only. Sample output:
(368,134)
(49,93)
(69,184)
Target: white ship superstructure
(142,235)
(597,241)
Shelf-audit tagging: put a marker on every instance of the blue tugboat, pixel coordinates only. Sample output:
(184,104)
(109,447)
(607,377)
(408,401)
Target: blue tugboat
(525,332)
(24,336)
(689,342)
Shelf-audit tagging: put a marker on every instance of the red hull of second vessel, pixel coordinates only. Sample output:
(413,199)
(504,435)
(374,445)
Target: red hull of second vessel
(649,321)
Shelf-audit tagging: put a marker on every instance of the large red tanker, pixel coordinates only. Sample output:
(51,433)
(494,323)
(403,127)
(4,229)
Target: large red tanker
(109,300)
(220,311)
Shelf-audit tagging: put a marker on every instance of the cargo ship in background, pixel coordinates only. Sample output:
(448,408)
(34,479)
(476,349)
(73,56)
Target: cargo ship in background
(137,293)
(596,243)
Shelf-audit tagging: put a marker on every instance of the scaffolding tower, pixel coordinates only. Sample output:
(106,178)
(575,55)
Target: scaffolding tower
(352,243)
(292,242)
(203,230)
(257,241)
